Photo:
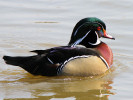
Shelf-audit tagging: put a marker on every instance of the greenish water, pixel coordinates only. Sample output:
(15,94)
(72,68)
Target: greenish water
(27,25)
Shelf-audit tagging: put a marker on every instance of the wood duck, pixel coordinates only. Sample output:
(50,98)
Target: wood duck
(94,57)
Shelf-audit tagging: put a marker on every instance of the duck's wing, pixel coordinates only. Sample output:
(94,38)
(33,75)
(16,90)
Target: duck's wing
(36,65)
(40,52)
(47,62)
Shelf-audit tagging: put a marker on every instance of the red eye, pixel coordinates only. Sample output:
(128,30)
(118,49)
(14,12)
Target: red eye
(98,28)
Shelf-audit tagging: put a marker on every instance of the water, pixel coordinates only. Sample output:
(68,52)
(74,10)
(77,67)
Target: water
(40,24)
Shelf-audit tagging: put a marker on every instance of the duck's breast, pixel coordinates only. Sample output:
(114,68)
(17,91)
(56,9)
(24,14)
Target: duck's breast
(106,53)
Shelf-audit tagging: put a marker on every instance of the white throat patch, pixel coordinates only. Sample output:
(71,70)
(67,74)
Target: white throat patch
(97,42)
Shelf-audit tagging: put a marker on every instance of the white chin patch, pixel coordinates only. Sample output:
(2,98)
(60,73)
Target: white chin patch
(97,42)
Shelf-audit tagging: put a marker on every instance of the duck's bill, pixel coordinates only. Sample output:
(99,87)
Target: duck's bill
(109,37)
(105,35)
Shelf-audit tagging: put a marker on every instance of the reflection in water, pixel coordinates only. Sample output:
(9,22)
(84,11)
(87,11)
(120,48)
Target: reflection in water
(55,88)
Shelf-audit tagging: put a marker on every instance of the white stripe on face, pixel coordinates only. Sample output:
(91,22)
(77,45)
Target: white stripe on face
(79,28)
(80,40)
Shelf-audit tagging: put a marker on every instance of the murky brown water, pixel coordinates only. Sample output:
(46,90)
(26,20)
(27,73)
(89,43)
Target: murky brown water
(39,24)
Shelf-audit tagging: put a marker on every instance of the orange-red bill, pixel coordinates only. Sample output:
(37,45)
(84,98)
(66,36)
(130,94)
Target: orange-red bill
(107,35)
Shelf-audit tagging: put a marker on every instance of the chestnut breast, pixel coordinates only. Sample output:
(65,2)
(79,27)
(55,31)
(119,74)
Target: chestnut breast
(106,53)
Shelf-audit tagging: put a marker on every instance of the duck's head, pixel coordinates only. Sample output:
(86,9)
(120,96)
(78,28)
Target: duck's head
(88,31)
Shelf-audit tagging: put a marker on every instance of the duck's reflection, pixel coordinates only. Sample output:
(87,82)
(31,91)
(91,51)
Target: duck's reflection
(62,87)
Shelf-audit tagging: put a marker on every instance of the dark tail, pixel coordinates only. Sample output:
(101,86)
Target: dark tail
(17,61)
(27,63)
(36,65)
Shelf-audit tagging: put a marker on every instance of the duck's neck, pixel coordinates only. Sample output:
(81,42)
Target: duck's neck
(106,53)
